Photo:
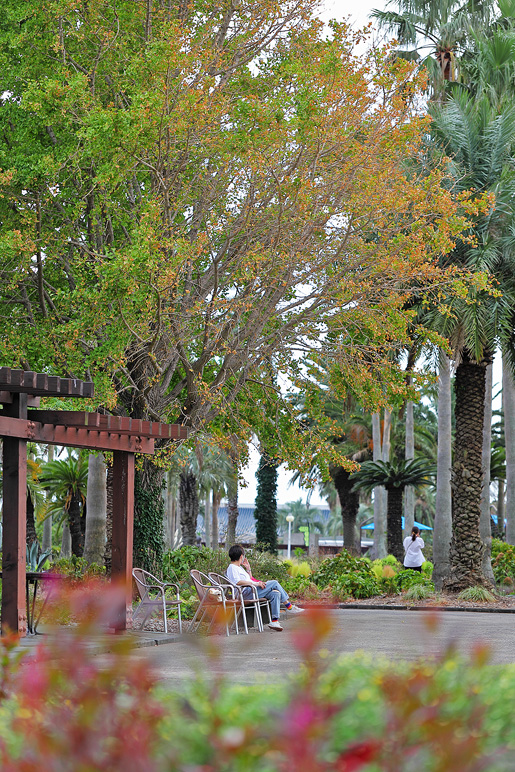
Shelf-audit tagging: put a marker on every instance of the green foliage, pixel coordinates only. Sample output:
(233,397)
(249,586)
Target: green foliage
(265,512)
(406,579)
(427,569)
(478,593)
(77,569)
(359,712)
(419,591)
(301,587)
(297,568)
(34,560)
(178,563)
(347,576)
(503,562)
(148,524)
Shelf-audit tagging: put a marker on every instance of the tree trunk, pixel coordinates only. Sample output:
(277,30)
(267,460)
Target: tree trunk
(217,497)
(169,525)
(232,512)
(394,523)
(188,507)
(31,535)
(485,528)
(499,530)
(409,492)
(96,510)
(508,396)
(466,553)
(379,549)
(66,542)
(207,517)
(349,504)
(47,522)
(108,556)
(442,533)
(74,520)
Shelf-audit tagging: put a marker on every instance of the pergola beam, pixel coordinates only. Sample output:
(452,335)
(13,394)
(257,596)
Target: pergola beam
(110,423)
(75,437)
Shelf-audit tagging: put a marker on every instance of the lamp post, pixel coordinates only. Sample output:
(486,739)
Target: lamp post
(289,519)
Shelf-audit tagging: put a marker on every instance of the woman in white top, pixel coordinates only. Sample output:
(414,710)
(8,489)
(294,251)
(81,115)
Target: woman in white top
(413,546)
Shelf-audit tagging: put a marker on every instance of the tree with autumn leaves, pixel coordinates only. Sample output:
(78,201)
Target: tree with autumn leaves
(191,196)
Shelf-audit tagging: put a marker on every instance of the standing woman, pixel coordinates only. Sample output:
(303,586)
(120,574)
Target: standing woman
(413,546)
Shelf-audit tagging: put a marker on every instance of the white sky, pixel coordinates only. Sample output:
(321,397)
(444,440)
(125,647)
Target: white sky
(334,9)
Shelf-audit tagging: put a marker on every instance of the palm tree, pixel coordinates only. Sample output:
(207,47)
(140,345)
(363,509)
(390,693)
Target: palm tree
(479,141)
(304,516)
(96,510)
(434,32)
(67,481)
(394,476)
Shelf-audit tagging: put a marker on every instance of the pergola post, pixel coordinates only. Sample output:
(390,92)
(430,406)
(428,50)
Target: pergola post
(14,613)
(123,525)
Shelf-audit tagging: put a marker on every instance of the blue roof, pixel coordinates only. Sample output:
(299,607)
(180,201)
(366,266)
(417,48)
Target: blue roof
(246,524)
(370,526)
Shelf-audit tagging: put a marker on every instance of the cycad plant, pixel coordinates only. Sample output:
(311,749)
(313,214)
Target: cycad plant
(66,480)
(395,476)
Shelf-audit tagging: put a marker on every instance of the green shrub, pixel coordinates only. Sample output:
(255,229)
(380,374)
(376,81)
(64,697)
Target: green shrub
(503,561)
(347,576)
(77,569)
(361,712)
(427,569)
(178,563)
(407,578)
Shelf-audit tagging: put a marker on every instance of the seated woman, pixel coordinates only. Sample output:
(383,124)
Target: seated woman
(239,573)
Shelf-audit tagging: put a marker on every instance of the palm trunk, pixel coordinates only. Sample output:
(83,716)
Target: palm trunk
(66,542)
(188,507)
(394,523)
(442,533)
(96,510)
(485,527)
(409,493)
(349,504)
(109,520)
(499,529)
(466,553)
(207,517)
(379,549)
(232,502)
(74,520)
(47,522)
(508,396)
(217,497)
(31,535)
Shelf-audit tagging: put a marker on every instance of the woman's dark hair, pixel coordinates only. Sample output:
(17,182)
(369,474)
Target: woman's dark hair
(235,552)
(414,533)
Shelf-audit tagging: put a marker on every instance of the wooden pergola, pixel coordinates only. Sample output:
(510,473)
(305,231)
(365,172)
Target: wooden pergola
(22,421)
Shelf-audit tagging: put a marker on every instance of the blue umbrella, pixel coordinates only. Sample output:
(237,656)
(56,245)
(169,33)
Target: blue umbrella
(370,526)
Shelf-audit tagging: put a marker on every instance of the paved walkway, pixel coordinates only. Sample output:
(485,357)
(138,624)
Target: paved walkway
(397,635)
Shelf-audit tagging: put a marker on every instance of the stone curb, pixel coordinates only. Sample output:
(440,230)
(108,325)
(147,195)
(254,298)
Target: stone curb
(386,607)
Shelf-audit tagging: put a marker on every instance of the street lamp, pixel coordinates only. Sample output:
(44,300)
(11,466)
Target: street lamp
(289,519)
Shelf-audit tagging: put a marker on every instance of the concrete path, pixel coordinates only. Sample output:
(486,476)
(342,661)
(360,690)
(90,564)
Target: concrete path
(396,635)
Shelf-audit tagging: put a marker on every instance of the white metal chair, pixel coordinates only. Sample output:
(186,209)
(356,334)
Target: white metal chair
(152,593)
(254,602)
(215,600)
